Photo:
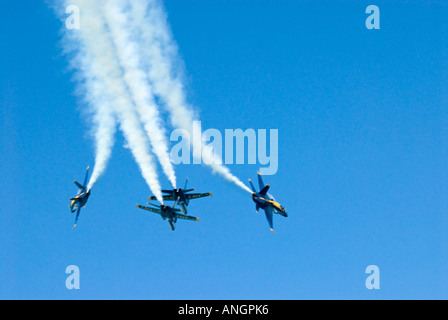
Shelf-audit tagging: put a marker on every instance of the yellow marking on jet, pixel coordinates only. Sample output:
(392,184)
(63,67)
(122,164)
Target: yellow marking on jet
(271,202)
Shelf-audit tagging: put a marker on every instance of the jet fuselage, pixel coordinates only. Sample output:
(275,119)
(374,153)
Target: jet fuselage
(168,213)
(80,200)
(180,195)
(263,202)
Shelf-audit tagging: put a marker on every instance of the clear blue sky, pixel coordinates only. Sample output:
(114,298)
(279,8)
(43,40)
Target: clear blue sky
(363,149)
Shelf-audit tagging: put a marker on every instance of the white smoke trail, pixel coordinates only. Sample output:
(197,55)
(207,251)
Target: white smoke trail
(104,68)
(104,138)
(160,51)
(103,118)
(94,94)
(128,53)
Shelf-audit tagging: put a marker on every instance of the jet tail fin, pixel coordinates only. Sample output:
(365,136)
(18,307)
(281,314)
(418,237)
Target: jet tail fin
(176,202)
(252,186)
(80,186)
(184,208)
(260,180)
(87,176)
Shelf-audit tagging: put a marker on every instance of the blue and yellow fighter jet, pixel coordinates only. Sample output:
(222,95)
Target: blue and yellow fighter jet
(263,200)
(168,213)
(81,198)
(182,196)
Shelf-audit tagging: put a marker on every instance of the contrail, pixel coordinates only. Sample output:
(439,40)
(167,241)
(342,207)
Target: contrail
(127,56)
(104,122)
(95,96)
(105,127)
(136,79)
(160,52)
(105,70)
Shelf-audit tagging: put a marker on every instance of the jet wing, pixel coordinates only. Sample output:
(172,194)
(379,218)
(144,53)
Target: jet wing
(197,195)
(77,217)
(181,216)
(264,191)
(168,198)
(155,210)
(269,216)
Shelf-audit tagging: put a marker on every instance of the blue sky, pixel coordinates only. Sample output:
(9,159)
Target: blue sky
(362,159)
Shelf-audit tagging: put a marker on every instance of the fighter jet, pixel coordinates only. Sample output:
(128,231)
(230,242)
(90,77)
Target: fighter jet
(81,198)
(168,213)
(263,200)
(182,196)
